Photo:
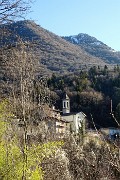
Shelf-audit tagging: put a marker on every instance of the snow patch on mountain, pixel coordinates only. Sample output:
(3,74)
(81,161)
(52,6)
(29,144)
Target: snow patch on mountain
(96,43)
(73,38)
(85,39)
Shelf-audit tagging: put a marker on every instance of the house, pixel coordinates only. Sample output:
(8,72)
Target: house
(114,133)
(76,120)
(57,126)
(111,132)
(55,120)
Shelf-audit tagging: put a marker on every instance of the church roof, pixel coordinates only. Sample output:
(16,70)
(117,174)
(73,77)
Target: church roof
(74,113)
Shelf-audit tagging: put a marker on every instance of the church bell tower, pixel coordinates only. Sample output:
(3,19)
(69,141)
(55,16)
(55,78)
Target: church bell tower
(66,104)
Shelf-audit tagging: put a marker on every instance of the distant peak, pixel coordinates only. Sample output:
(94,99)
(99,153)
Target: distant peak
(83,38)
(94,47)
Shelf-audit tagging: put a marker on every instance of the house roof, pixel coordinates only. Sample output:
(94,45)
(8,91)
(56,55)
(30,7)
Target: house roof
(54,119)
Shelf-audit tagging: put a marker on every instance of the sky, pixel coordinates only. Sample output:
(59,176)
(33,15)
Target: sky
(97,18)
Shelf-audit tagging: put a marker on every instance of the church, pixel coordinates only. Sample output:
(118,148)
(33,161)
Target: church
(56,122)
(76,120)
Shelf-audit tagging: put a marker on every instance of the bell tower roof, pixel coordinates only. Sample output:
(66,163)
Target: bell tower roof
(65,96)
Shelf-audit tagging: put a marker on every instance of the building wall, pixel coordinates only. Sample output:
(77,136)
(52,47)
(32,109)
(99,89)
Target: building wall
(75,121)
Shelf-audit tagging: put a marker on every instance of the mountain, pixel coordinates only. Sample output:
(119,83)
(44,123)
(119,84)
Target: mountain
(53,52)
(95,47)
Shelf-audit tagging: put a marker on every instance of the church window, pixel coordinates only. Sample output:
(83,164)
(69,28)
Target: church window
(67,104)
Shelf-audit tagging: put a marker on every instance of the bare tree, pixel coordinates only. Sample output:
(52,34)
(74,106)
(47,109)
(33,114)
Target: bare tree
(12,9)
(24,70)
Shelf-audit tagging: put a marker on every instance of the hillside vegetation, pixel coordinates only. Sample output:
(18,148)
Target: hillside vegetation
(54,53)
(91,92)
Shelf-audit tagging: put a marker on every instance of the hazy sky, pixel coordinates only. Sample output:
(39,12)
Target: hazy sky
(98,18)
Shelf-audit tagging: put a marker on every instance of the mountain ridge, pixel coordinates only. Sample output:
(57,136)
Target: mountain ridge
(95,47)
(54,53)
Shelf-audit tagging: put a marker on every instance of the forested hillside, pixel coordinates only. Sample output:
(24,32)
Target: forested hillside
(53,53)
(93,92)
